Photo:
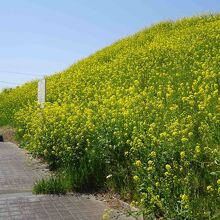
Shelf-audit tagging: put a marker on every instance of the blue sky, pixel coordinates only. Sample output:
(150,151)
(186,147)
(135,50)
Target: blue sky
(39,37)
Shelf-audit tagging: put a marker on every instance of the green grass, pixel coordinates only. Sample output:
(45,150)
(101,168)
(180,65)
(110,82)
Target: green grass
(53,185)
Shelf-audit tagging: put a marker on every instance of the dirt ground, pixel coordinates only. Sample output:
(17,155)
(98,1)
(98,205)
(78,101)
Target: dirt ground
(8,134)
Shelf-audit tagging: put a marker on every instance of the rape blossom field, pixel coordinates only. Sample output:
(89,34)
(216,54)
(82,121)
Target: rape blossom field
(140,118)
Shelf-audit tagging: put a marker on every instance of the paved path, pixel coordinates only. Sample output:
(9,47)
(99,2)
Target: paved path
(18,172)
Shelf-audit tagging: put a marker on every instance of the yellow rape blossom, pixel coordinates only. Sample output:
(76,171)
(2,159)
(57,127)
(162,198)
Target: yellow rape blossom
(138,163)
(168,167)
(136,178)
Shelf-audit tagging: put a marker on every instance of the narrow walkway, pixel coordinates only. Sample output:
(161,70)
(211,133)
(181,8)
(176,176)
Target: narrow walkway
(18,172)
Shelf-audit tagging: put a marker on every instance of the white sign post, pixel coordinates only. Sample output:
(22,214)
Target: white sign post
(41,92)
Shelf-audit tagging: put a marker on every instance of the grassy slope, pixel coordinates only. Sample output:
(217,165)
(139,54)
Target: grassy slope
(152,98)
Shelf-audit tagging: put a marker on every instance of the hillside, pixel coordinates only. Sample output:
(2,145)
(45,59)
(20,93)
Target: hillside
(144,111)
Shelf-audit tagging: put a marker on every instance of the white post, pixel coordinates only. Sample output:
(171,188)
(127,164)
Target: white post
(42,92)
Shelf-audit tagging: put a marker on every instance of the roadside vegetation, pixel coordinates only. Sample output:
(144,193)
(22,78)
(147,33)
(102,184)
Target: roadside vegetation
(140,118)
